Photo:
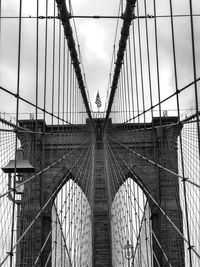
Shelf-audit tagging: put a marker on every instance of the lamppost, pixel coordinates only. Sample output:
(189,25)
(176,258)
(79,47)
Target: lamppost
(17,168)
(15,178)
(128,248)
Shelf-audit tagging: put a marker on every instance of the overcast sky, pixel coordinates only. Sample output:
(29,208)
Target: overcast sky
(96,38)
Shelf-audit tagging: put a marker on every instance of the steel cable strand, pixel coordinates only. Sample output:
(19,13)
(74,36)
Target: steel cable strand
(164,100)
(76,178)
(45,169)
(160,208)
(64,17)
(159,246)
(153,163)
(128,16)
(42,209)
(119,228)
(118,167)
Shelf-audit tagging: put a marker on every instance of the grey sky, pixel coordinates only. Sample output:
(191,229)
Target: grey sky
(96,43)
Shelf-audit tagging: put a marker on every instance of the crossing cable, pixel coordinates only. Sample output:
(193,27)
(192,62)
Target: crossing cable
(155,202)
(127,17)
(157,59)
(148,16)
(118,167)
(131,75)
(121,174)
(41,132)
(45,169)
(79,51)
(181,142)
(140,231)
(148,57)
(153,163)
(64,17)
(10,254)
(45,84)
(194,70)
(63,236)
(157,241)
(86,160)
(141,64)
(112,59)
(7,144)
(33,105)
(136,221)
(43,208)
(163,101)
(45,242)
(53,63)
(191,168)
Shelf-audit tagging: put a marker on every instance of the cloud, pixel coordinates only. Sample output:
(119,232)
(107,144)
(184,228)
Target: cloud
(94,38)
(96,44)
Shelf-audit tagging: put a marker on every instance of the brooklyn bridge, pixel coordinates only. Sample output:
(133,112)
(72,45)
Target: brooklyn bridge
(99,133)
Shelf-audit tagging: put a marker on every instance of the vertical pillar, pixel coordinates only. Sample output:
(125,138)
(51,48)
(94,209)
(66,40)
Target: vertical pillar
(101,219)
(32,243)
(170,240)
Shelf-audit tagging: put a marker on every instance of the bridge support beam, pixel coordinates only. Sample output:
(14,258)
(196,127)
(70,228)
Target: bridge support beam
(163,187)
(102,252)
(170,240)
(158,144)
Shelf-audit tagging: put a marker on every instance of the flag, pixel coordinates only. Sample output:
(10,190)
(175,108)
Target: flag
(98,100)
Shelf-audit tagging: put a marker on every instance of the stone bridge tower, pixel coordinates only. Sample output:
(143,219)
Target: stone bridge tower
(161,185)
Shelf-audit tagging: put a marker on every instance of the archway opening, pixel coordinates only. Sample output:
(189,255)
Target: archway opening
(131,224)
(71,228)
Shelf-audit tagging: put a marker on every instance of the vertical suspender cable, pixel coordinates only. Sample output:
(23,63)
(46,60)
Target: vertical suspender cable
(135,67)
(128,16)
(195,73)
(17,117)
(141,64)
(53,63)
(181,142)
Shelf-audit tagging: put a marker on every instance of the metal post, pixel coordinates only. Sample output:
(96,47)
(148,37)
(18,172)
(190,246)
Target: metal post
(128,248)
(18,235)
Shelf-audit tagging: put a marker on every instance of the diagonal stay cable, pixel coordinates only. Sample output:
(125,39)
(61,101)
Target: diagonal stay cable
(155,202)
(39,108)
(127,17)
(64,239)
(75,179)
(154,163)
(65,19)
(45,169)
(163,101)
(118,167)
(43,208)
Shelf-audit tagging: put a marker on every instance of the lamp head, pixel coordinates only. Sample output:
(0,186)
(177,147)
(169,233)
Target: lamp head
(128,250)
(22,165)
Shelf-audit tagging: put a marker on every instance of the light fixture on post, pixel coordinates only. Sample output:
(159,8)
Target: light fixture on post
(15,187)
(128,248)
(19,167)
